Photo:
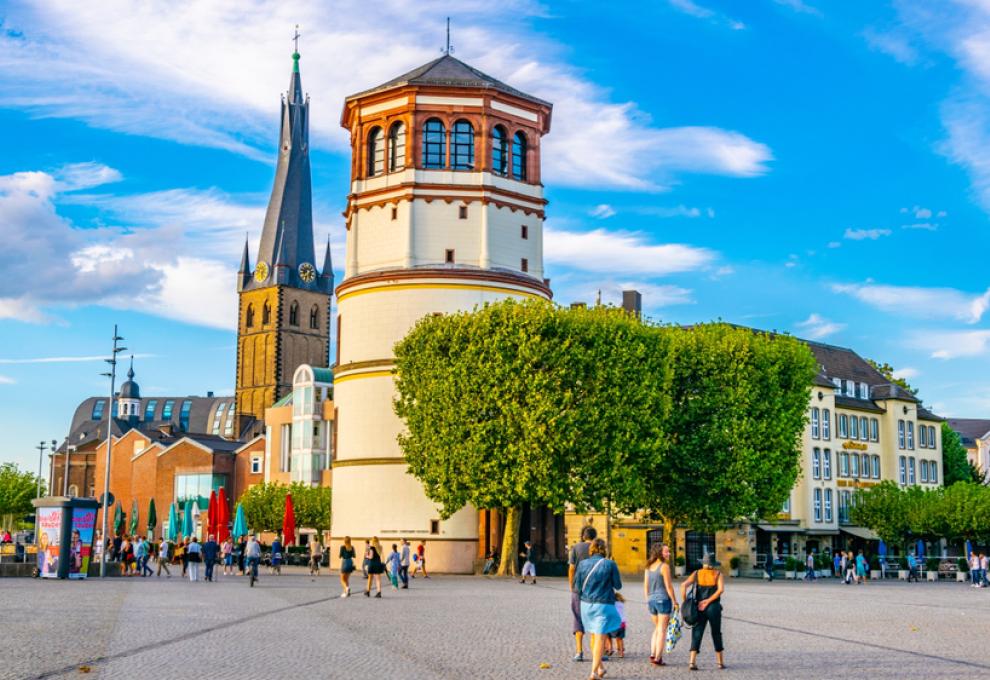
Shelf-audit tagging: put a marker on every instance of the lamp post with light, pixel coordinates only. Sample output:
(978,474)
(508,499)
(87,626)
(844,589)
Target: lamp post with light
(112,374)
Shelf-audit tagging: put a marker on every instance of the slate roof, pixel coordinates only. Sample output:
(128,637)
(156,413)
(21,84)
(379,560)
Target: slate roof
(970,429)
(447,71)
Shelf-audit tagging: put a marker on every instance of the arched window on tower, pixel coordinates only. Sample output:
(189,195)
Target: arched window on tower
(249,317)
(376,152)
(294,314)
(519,156)
(434,144)
(266,314)
(500,150)
(462,146)
(314,317)
(396,147)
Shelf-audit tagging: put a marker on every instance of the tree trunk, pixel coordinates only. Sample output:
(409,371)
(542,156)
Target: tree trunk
(670,535)
(508,564)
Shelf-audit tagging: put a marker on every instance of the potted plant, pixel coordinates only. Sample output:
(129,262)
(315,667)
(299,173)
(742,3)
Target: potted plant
(962,575)
(932,564)
(799,568)
(790,567)
(679,566)
(902,570)
(822,564)
(734,565)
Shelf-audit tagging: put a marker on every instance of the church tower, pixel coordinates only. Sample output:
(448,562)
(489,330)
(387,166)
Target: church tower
(284,302)
(445,214)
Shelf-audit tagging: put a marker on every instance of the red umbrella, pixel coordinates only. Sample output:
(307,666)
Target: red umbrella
(223,516)
(289,522)
(211,514)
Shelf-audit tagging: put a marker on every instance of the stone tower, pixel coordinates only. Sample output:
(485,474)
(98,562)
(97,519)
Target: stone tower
(284,302)
(445,213)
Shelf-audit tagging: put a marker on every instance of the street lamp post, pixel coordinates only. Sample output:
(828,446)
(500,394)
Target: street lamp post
(65,468)
(106,472)
(41,459)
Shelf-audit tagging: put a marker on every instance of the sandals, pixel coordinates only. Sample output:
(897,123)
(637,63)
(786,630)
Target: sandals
(692,666)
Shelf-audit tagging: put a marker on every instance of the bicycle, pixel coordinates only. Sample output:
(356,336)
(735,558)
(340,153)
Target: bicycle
(253,570)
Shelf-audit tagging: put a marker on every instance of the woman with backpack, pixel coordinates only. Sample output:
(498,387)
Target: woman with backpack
(595,580)
(708,588)
(659,589)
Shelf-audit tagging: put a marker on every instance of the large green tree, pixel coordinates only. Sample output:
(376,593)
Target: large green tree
(955,463)
(17,490)
(311,505)
(883,509)
(888,371)
(264,506)
(739,405)
(528,403)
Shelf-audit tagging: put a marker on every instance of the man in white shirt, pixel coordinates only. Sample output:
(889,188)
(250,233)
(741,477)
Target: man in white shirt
(404,557)
(252,552)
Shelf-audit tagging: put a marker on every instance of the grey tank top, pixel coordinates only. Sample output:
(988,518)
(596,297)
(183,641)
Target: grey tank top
(657,589)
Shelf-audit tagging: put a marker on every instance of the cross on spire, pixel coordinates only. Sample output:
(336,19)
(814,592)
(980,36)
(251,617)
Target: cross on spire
(449,49)
(295,39)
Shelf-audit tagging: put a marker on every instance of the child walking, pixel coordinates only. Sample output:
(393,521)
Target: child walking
(393,564)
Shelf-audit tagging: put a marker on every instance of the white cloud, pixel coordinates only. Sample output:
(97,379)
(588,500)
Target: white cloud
(834,244)
(906,373)
(602,211)
(816,327)
(675,211)
(7,380)
(210,75)
(922,213)
(67,359)
(693,9)
(75,176)
(861,234)
(926,226)
(892,43)
(800,7)
(920,302)
(621,251)
(953,344)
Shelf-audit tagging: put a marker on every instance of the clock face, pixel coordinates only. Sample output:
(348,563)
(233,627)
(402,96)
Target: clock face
(307,272)
(261,272)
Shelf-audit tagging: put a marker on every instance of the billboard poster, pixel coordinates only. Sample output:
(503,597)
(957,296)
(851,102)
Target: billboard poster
(81,547)
(49,537)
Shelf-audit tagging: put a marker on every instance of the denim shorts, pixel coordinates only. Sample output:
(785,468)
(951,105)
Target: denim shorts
(660,606)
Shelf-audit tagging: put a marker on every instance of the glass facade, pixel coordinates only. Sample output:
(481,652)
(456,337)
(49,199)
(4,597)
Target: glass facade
(149,410)
(184,414)
(434,144)
(98,408)
(167,409)
(197,488)
(462,146)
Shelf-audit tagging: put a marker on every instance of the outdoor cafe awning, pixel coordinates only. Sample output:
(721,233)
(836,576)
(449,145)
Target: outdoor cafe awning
(861,532)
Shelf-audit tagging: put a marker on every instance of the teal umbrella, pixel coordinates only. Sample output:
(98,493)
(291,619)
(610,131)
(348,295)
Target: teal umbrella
(240,524)
(173,522)
(187,520)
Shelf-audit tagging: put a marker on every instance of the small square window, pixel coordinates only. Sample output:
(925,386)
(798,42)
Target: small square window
(256,465)
(462,212)
(524,231)
(524,265)
(395,213)
(435,527)
(449,256)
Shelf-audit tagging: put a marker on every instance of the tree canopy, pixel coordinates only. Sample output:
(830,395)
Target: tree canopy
(898,515)
(264,506)
(888,371)
(17,490)
(955,463)
(530,403)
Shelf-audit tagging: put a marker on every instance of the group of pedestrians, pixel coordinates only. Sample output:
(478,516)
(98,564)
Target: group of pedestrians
(400,565)
(135,554)
(598,608)
(978,566)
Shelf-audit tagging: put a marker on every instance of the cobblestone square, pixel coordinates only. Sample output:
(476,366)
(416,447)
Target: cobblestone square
(468,627)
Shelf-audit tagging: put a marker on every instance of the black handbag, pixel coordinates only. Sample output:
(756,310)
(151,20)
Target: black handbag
(689,608)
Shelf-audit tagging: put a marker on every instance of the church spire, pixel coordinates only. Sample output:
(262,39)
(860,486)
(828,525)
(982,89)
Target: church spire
(326,274)
(287,235)
(244,273)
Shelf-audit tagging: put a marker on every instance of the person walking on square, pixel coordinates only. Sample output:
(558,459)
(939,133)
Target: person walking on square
(127,556)
(241,558)
(315,556)
(364,563)
(184,555)
(252,556)
(850,568)
(375,567)
(194,555)
(394,558)
(837,564)
(118,541)
(404,559)
(421,553)
(912,563)
(809,572)
(658,587)
(275,566)
(529,562)
(974,569)
(143,555)
(227,551)
(210,552)
(709,586)
(164,555)
(577,554)
(346,566)
(860,568)
(984,565)
(597,580)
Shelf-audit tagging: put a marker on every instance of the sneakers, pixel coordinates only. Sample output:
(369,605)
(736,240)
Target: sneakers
(367,593)
(378,595)
(578,657)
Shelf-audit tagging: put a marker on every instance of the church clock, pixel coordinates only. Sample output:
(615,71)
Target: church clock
(307,272)
(261,272)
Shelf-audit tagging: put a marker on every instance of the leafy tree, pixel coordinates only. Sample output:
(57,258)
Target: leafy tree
(887,371)
(528,403)
(264,506)
(17,490)
(311,505)
(883,509)
(955,463)
(739,402)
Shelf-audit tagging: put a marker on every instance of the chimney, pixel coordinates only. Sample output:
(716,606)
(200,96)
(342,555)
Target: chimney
(166,429)
(209,395)
(632,302)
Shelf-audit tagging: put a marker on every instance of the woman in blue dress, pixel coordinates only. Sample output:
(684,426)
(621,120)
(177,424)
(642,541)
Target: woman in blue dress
(596,580)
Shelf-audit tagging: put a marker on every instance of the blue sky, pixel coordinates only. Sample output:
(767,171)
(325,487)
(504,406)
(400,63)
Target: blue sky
(820,168)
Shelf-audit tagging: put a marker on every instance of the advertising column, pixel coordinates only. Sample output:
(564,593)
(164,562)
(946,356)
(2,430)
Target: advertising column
(49,540)
(81,541)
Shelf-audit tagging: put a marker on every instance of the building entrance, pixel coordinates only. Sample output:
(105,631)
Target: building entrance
(696,545)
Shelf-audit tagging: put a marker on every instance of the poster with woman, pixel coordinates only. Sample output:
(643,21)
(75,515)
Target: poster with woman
(49,534)
(81,549)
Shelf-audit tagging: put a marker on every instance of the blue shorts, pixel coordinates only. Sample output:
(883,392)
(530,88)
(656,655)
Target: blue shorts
(600,618)
(660,607)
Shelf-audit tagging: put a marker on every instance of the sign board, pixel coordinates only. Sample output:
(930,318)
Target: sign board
(49,540)
(81,542)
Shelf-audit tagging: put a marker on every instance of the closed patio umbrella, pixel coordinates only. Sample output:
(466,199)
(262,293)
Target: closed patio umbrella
(289,521)
(152,518)
(134,518)
(223,516)
(118,520)
(969,549)
(211,514)
(882,550)
(921,549)
(240,523)
(173,522)
(187,520)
